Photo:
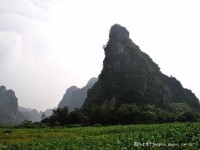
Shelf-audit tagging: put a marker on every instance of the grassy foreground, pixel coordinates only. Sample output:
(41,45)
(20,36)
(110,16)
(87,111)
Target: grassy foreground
(161,136)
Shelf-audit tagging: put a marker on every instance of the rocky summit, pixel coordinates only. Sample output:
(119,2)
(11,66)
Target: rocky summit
(130,76)
(9,113)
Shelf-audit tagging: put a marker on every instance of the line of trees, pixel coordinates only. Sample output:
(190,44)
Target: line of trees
(125,114)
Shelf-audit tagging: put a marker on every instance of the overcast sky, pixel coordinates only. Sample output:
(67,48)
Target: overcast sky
(47,46)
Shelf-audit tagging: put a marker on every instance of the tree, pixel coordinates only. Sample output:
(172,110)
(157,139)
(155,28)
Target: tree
(43,116)
(58,117)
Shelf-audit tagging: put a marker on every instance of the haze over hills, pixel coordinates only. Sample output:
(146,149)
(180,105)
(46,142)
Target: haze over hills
(12,114)
(130,89)
(33,114)
(74,97)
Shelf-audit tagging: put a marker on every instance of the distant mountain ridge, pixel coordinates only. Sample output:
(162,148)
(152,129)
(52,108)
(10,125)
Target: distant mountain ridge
(33,114)
(11,114)
(30,114)
(74,97)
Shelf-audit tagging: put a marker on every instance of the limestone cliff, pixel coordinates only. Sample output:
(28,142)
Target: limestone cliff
(9,114)
(129,76)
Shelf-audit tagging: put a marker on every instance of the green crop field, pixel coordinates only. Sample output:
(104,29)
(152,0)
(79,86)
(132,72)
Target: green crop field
(120,137)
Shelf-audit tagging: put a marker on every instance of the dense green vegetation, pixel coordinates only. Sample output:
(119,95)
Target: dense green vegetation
(125,114)
(164,136)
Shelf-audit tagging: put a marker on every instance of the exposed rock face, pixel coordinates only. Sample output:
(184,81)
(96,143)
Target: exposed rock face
(9,114)
(74,97)
(130,76)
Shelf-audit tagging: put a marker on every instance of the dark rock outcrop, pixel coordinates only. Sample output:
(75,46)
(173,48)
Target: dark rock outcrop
(9,114)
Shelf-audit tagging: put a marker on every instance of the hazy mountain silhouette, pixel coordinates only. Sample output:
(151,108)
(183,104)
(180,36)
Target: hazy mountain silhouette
(74,97)
(30,114)
(33,114)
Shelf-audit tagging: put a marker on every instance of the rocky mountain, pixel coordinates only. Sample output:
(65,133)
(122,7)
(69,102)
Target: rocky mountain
(33,114)
(74,97)
(130,77)
(30,114)
(9,113)
(67,98)
(23,109)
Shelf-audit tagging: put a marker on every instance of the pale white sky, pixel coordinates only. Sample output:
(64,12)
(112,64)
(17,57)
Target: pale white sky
(47,46)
